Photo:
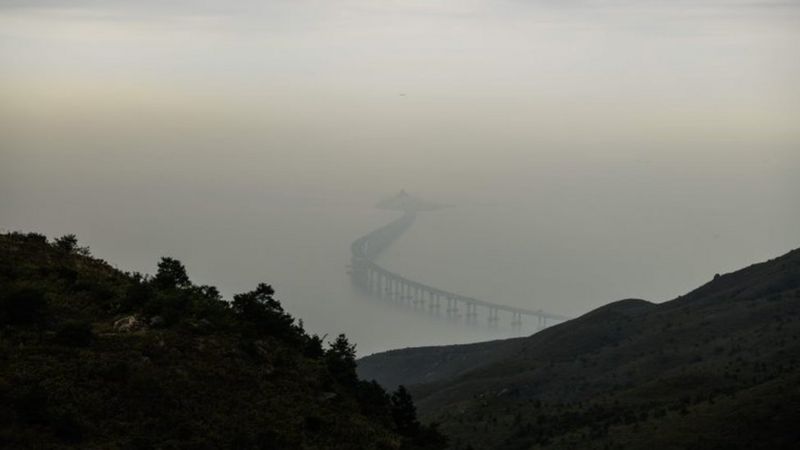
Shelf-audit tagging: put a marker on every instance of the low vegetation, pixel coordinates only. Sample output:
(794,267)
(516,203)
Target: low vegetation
(93,357)
(718,368)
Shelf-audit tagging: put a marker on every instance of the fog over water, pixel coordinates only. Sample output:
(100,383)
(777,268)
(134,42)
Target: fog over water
(593,150)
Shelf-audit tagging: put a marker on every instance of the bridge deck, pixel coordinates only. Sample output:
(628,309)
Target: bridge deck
(366,248)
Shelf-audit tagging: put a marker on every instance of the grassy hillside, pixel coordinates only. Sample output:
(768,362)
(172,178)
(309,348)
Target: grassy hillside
(92,357)
(716,368)
(430,364)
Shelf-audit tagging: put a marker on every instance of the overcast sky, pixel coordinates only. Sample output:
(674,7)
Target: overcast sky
(475,87)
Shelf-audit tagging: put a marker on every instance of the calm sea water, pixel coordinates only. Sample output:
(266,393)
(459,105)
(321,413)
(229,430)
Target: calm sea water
(519,251)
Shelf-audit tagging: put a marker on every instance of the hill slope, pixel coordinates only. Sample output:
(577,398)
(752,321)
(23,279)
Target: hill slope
(91,357)
(716,368)
(430,364)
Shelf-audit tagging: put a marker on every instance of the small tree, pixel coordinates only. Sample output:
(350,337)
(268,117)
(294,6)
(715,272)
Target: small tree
(69,244)
(404,412)
(209,293)
(210,306)
(139,293)
(257,303)
(341,359)
(374,402)
(260,308)
(171,274)
(313,347)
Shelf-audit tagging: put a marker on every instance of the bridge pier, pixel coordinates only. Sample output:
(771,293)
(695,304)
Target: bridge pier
(472,312)
(433,306)
(493,316)
(381,283)
(516,320)
(452,306)
(419,302)
(374,282)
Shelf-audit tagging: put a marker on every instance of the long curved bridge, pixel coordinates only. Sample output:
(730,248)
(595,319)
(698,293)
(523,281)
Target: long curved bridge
(380,282)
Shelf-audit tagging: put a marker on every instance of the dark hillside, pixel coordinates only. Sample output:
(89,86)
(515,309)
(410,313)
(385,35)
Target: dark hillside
(423,365)
(716,368)
(92,357)
(429,364)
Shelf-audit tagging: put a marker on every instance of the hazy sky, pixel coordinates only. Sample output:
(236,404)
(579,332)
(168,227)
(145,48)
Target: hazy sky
(609,132)
(398,87)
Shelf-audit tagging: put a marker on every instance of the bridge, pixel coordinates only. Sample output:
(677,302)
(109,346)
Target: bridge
(383,283)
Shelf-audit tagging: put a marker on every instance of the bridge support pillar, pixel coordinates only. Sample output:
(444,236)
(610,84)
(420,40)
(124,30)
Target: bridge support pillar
(472,312)
(516,320)
(434,305)
(420,297)
(493,317)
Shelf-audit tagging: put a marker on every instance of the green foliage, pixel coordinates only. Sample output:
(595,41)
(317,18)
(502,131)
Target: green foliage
(75,333)
(171,274)
(121,360)
(138,293)
(169,306)
(313,347)
(404,415)
(264,314)
(341,359)
(22,306)
(404,412)
(716,368)
(28,238)
(69,245)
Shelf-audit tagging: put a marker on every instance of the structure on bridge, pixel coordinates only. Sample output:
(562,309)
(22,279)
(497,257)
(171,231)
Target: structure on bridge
(380,282)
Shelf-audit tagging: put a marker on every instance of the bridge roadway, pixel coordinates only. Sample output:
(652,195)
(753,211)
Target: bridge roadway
(381,282)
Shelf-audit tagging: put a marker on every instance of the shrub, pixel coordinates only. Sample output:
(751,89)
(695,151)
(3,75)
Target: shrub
(171,274)
(23,306)
(341,360)
(69,245)
(75,334)
(138,293)
(404,412)
(260,308)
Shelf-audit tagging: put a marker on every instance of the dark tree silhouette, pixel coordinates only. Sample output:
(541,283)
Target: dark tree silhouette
(341,359)
(404,412)
(69,244)
(171,274)
(260,308)
(313,347)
